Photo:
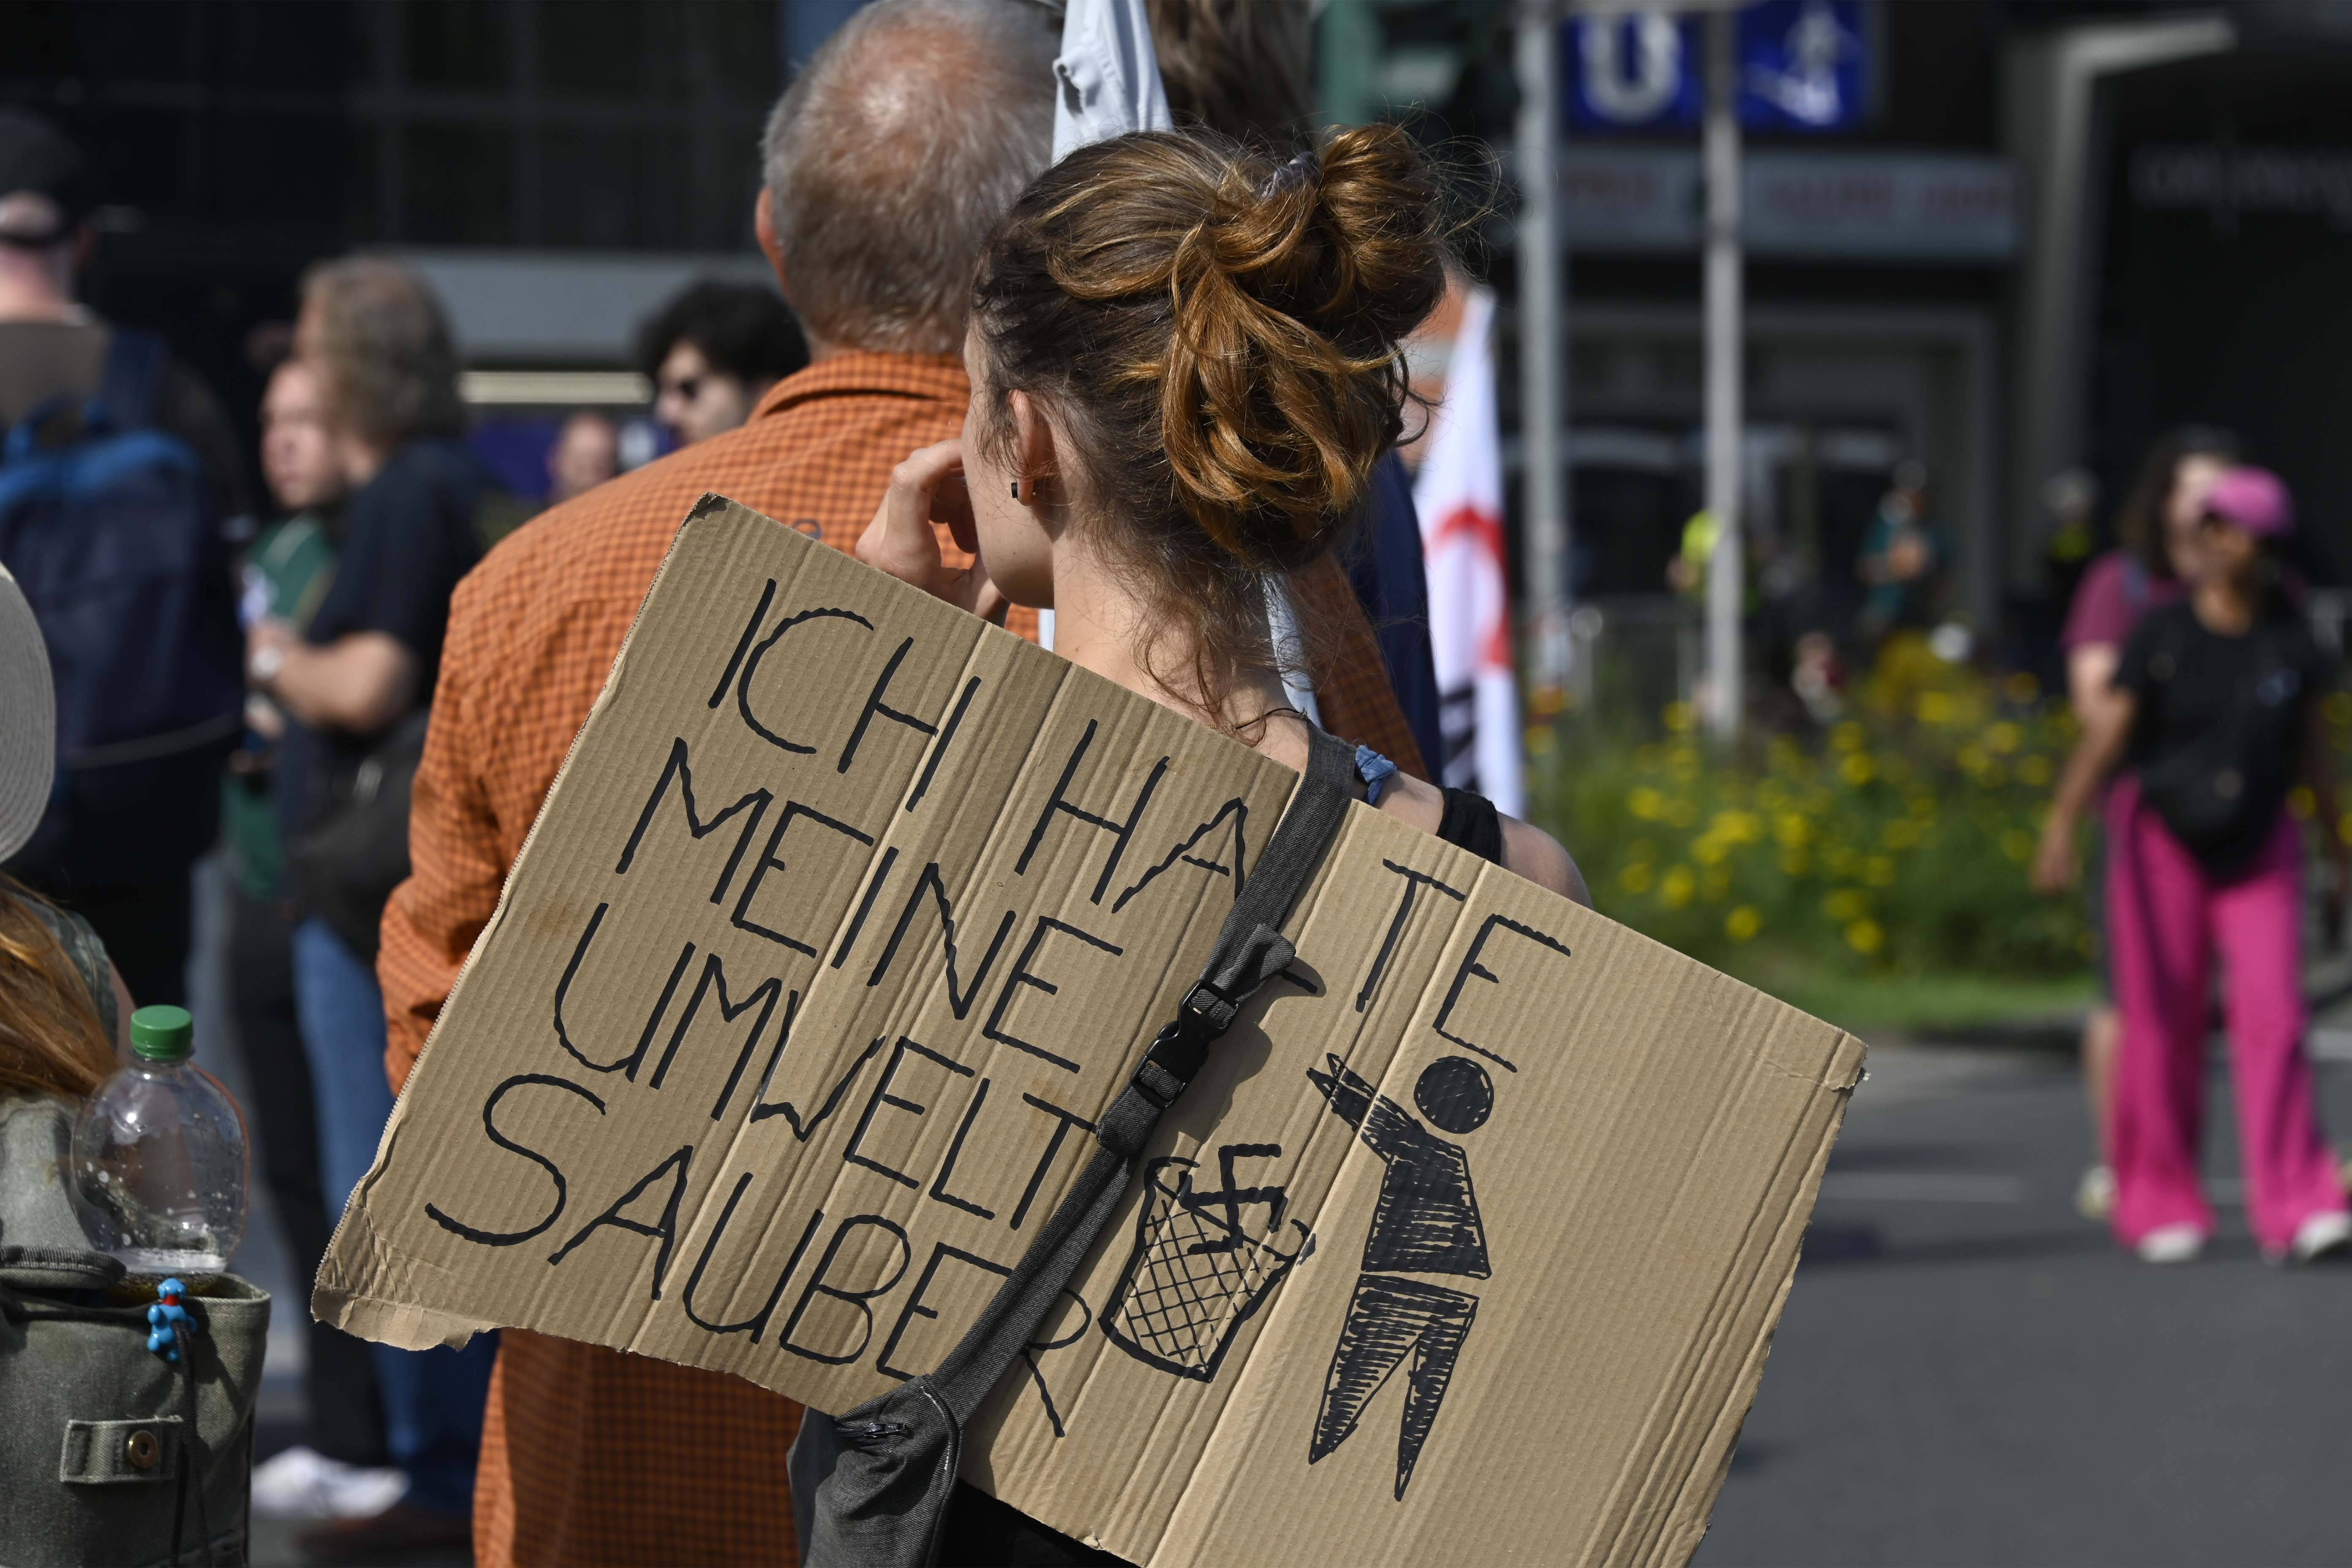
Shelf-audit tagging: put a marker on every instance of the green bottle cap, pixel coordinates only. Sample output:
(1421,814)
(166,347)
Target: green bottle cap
(162,1034)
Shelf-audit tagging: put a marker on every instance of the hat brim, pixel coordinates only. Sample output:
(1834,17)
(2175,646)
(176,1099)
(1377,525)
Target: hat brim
(28,720)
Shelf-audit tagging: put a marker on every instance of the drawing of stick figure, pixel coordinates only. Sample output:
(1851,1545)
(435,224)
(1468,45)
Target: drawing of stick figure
(1426,1222)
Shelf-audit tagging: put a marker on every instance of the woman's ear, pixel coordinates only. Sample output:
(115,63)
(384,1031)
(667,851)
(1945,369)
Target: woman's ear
(1034,456)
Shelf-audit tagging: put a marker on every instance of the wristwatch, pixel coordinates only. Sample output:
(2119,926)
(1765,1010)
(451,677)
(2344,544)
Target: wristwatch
(265,663)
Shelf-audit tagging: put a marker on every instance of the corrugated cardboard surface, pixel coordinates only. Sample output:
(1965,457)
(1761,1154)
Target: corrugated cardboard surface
(1469,1242)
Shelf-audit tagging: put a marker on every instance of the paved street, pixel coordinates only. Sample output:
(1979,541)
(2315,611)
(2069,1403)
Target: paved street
(1969,1373)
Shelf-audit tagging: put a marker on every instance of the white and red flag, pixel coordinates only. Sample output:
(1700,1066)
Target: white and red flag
(1459,494)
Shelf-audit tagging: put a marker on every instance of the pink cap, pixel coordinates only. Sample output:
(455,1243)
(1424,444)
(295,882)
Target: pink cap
(2253,499)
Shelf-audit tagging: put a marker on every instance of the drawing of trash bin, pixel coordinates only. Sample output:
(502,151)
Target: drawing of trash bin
(1195,1276)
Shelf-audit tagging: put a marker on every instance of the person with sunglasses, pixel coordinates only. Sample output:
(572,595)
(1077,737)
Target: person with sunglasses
(2215,719)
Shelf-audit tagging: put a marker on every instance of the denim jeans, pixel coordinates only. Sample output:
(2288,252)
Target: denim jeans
(432,1399)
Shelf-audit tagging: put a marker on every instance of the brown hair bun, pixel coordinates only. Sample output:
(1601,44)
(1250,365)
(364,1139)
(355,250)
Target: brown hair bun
(1219,332)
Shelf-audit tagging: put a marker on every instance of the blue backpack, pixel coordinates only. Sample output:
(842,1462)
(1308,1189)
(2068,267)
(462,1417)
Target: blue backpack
(109,527)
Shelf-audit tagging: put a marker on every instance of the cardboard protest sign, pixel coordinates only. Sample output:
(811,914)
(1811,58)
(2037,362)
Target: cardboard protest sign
(848,917)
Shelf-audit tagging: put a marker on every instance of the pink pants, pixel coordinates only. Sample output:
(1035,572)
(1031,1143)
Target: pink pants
(2166,914)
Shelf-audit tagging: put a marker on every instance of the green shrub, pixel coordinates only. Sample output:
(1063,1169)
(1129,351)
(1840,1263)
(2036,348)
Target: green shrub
(1897,842)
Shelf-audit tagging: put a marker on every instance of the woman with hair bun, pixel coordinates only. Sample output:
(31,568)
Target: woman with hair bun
(1185,365)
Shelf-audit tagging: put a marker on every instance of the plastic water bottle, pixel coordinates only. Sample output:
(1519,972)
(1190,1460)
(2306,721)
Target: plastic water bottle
(158,1162)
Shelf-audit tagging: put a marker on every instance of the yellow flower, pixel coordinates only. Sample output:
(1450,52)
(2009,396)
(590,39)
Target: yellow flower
(1847,736)
(2035,771)
(1677,888)
(1540,738)
(1838,858)
(2004,737)
(1972,760)
(1879,871)
(1634,878)
(1865,937)
(1857,770)
(1937,707)
(1846,904)
(1646,803)
(1678,717)
(2339,707)
(1743,923)
(1737,827)
(1793,828)
(1795,862)
(2018,845)
(1923,807)
(1709,850)
(2022,687)
(2301,803)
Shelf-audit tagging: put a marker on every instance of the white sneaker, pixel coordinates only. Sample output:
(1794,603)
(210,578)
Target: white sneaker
(303,1483)
(2321,1236)
(2172,1244)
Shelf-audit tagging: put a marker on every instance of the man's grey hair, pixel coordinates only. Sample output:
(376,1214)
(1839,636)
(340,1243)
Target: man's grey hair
(895,150)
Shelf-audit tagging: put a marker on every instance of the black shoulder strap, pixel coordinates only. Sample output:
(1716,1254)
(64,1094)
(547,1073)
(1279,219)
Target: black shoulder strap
(1251,950)
(134,370)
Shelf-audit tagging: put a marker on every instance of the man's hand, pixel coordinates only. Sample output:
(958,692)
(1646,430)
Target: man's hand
(928,488)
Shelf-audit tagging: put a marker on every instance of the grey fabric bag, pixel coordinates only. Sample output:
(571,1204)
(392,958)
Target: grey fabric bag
(894,1459)
(110,1457)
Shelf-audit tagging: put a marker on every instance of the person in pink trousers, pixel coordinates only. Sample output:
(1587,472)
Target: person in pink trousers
(2216,717)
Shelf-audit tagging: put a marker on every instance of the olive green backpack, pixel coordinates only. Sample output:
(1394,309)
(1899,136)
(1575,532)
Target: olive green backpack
(110,1457)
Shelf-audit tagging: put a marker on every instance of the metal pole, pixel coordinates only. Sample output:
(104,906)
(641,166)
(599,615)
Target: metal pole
(1543,412)
(1726,574)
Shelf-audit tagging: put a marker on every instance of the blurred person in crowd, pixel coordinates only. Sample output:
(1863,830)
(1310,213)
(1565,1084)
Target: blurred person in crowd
(1154,516)
(2157,531)
(872,219)
(354,685)
(586,452)
(147,689)
(341,1468)
(1244,69)
(2213,716)
(1901,560)
(713,352)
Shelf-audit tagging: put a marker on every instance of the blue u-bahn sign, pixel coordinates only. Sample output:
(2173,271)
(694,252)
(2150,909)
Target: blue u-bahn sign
(1804,64)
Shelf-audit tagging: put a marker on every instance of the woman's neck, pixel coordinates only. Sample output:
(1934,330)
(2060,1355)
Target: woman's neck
(1100,625)
(2225,606)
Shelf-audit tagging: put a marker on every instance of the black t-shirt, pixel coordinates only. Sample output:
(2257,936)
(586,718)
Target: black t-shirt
(407,538)
(2219,734)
